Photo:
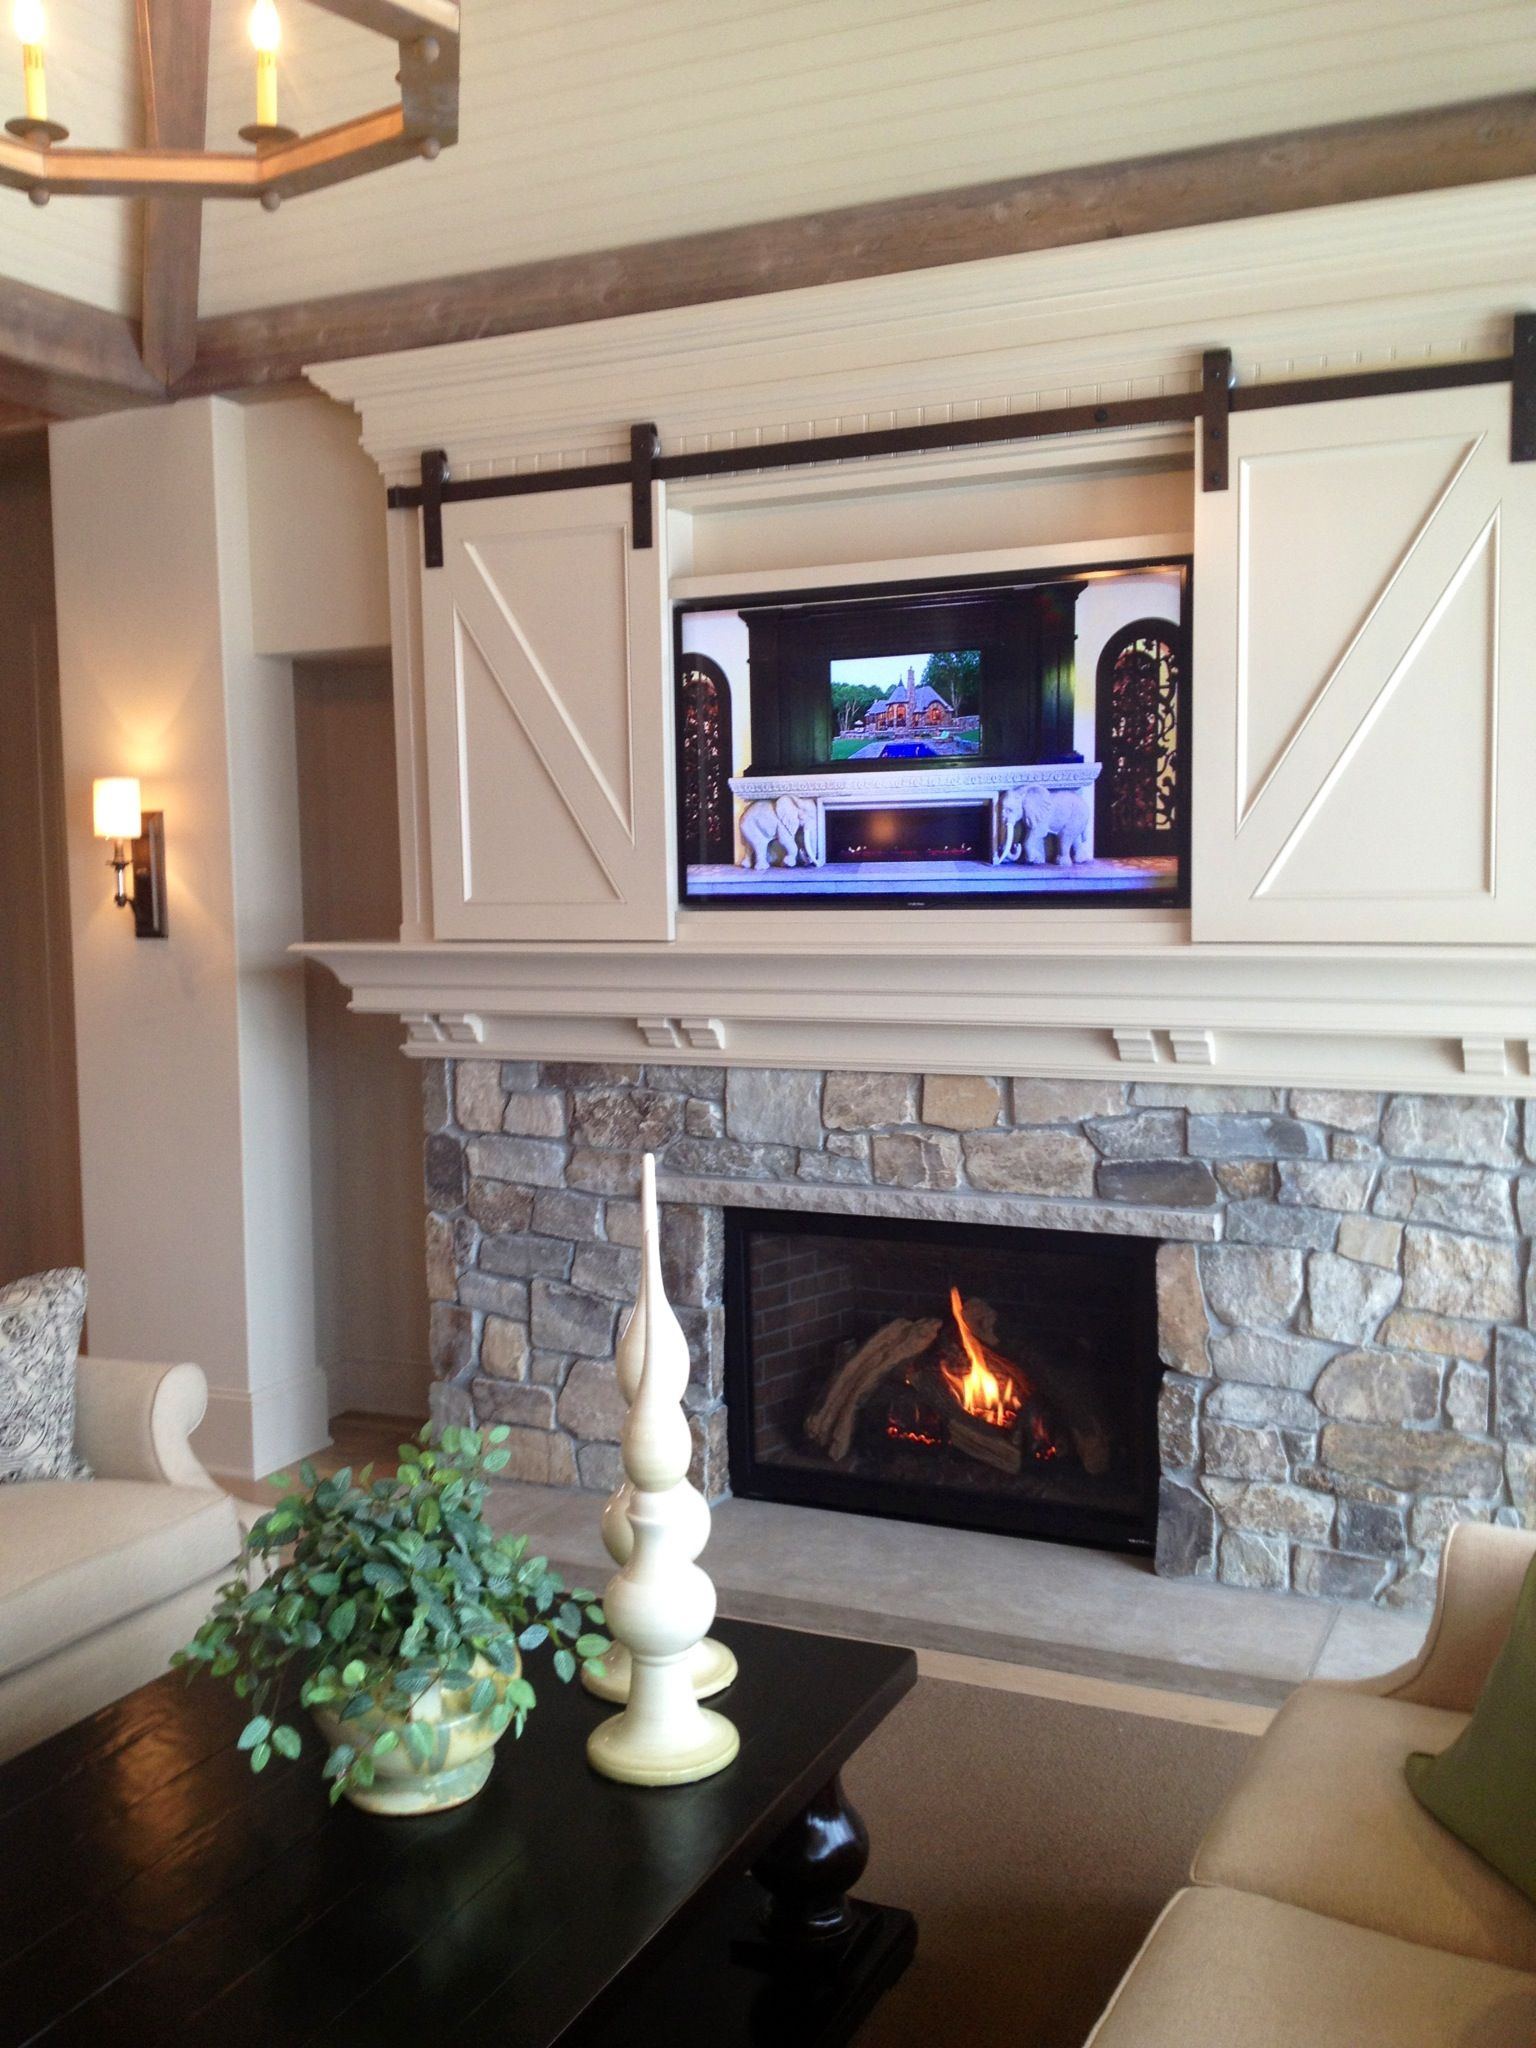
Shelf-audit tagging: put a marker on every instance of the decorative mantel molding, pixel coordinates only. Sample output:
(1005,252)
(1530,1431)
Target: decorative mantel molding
(986,994)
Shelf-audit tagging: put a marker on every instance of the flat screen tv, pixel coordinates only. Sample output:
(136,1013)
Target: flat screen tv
(1014,739)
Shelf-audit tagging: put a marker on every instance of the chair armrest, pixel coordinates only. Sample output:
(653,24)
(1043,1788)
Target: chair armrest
(1481,1572)
(133,1421)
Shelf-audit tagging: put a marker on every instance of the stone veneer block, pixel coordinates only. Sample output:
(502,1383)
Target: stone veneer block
(1252,1284)
(1146,1134)
(773,1106)
(1417,1461)
(1259,1562)
(1065,1102)
(1409,1330)
(861,1102)
(1371,1240)
(531,1161)
(591,1406)
(1462,1197)
(962,1102)
(565,1319)
(523,1406)
(1178,1410)
(1460,1276)
(1380,1386)
(1475,1130)
(625,1119)
(504,1349)
(442,1268)
(1030,1162)
(478,1096)
(1343,1109)
(1276,1510)
(1467,1388)
(1183,1326)
(1176,1182)
(450,1339)
(898,1159)
(498,1207)
(1514,1370)
(1345,1300)
(1251,1137)
(1269,1359)
(1326,1184)
(540,1115)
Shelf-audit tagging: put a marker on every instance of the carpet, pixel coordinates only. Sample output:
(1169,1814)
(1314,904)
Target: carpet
(1036,1841)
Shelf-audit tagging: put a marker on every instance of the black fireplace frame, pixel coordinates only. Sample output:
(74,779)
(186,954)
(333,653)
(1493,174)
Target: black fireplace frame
(755,1479)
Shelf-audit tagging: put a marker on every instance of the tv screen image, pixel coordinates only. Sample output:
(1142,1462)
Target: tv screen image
(912,707)
(1011,739)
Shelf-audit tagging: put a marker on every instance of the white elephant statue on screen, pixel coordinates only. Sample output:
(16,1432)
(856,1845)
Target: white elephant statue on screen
(1028,815)
(788,822)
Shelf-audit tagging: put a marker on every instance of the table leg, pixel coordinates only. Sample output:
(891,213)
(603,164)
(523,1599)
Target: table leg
(811,1868)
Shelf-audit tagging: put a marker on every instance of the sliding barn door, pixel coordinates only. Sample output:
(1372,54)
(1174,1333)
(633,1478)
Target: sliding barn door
(1364,676)
(549,727)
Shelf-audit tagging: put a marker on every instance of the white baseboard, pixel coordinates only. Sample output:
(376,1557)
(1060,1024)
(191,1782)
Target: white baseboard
(247,1434)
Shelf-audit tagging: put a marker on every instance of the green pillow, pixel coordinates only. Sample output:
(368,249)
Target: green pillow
(1483,1788)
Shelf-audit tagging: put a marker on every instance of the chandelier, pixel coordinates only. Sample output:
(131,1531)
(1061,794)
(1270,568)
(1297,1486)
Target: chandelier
(279,163)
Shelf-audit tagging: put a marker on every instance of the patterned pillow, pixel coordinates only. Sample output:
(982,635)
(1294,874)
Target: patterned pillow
(40,1320)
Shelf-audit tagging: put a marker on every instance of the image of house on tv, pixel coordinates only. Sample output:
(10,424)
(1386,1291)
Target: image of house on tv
(1008,740)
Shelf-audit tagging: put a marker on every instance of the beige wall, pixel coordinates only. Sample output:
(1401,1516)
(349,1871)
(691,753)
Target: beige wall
(191,1050)
(39,1140)
(365,1099)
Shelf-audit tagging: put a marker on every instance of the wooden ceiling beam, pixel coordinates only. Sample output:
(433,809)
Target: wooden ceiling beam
(1423,151)
(64,359)
(173,63)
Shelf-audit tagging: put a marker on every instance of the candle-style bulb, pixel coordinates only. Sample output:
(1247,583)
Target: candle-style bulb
(266,28)
(30,20)
(266,33)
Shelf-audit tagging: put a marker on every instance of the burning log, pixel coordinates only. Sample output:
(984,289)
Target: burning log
(831,1422)
(986,1443)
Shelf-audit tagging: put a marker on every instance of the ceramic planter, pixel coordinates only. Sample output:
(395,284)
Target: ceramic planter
(460,1758)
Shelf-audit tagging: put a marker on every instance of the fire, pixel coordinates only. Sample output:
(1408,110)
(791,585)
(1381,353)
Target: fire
(990,1394)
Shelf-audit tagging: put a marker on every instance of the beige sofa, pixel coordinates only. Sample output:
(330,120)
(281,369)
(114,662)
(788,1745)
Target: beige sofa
(101,1579)
(1327,1909)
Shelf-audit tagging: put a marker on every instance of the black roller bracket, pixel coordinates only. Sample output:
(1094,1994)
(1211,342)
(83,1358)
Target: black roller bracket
(1522,391)
(434,477)
(644,448)
(1215,410)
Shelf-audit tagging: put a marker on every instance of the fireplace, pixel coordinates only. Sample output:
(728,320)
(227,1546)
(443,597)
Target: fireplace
(913,832)
(987,1377)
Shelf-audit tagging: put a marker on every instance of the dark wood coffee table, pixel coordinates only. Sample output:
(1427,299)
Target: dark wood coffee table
(153,1890)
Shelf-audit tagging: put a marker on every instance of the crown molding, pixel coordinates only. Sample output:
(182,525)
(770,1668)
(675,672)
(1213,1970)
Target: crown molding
(1291,294)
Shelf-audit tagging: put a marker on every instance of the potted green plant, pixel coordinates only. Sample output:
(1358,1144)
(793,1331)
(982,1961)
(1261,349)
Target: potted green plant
(401,1616)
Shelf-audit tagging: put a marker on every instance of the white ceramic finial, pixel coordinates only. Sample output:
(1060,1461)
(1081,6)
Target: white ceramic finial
(711,1666)
(660,1603)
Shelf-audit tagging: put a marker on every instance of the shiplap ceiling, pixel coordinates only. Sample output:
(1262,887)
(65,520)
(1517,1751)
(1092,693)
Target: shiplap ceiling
(588,124)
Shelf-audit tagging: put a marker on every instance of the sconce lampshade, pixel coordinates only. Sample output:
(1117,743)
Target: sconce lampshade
(115,807)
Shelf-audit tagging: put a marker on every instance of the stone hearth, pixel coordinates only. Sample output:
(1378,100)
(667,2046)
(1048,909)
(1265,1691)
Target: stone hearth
(1346,1297)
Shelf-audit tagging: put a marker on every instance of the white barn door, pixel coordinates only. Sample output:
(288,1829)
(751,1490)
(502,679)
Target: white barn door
(549,722)
(1364,676)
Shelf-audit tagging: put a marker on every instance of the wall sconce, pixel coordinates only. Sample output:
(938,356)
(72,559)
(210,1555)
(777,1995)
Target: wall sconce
(138,851)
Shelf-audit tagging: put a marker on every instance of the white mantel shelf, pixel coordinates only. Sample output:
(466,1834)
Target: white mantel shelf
(986,994)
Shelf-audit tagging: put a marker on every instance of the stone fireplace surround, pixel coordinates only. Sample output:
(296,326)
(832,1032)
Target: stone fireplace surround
(1346,1295)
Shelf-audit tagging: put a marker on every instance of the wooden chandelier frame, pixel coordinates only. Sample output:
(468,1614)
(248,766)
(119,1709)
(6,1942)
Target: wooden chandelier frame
(425,121)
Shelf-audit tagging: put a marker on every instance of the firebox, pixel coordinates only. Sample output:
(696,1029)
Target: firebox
(975,1375)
